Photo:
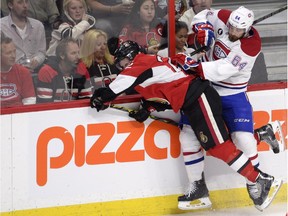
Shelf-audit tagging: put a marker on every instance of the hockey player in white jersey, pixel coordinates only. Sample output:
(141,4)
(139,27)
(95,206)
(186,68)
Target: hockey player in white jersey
(228,66)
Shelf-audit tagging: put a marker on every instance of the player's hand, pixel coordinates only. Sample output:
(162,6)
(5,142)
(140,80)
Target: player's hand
(140,115)
(202,26)
(206,37)
(185,61)
(97,103)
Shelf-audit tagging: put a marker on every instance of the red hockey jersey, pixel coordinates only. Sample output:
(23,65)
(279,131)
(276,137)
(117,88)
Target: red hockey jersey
(156,79)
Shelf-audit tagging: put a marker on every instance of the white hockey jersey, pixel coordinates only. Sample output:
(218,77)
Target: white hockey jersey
(228,64)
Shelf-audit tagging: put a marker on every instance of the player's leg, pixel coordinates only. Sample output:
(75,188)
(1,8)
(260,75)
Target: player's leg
(246,142)
(196,195)
(238,117)
(260,183)
(205,116)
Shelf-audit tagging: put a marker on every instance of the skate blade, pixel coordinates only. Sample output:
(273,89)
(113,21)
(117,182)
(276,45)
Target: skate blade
(195,204)
(272,193)
(277,128)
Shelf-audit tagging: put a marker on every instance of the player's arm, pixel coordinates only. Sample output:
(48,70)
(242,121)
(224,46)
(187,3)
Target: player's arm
(124,82)
(146,108)
(221,69)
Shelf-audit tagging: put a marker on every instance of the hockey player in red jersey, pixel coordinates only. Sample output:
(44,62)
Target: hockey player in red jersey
(155,78)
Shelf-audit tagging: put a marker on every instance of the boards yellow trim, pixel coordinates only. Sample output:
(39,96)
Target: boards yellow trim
(154,206)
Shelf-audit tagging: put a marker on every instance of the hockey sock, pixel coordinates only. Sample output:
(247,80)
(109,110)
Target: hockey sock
(246,142)
(192,153)
(257,138)
(235,158)
(194,164)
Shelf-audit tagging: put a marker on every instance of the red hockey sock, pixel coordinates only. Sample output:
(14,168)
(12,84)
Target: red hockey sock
(235,158)
(257,138)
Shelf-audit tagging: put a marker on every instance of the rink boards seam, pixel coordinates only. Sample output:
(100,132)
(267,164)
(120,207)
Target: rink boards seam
(154,206)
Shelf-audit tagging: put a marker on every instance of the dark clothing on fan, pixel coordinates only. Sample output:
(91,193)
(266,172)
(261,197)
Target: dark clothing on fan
(102,74)
(54,86)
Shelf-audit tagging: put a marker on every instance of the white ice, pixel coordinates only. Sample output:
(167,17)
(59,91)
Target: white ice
(278,209)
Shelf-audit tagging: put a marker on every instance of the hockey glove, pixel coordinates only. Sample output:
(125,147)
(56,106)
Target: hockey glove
(206,38)
(151,106)
(202,26)
(185,61)
(205,34)
(95,100)
(140,115)
(98,104)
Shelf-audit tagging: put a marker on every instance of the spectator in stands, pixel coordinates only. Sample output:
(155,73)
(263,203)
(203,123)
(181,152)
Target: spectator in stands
(110,15)
(180,7)
(181,36)
(16,82)
(95,55)
(45,11)
(64,77)
(195,7)
(28,34)
(142,26)
(59,4)
(74,24)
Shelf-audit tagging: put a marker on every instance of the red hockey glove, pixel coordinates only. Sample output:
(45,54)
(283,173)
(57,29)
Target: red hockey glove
(202,26)
(185,61)
(205,33)
(206,37)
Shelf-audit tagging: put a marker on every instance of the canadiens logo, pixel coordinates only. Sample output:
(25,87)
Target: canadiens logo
(203,137)
(220,50)
(8,91)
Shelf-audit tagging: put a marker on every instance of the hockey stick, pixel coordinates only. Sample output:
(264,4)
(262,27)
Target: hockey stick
(198,50)
(125,109)
(270,14)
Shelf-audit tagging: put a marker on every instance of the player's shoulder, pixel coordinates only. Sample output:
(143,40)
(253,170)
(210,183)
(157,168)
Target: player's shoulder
(251,45)
(223,14)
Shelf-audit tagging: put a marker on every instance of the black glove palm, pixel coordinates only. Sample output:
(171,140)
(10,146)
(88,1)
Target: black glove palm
(98,104)
(140,115)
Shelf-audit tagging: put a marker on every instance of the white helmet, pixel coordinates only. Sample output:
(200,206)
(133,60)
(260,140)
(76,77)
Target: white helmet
(242,18)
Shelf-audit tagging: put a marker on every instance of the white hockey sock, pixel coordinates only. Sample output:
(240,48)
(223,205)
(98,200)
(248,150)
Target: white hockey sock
(194,164)
(192,153)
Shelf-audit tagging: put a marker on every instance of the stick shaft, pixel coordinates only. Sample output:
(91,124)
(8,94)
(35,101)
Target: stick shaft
(270,14)
(168,121)
(198,50)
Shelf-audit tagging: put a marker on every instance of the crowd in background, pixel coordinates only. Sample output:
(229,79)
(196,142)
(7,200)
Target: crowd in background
(67,46)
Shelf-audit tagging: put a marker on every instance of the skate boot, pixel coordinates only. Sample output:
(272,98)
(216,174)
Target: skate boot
(267,134)
(263,191)
(196,197)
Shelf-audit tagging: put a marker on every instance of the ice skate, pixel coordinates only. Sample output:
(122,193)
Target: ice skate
(267,134)
(263,191)
(196,197)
